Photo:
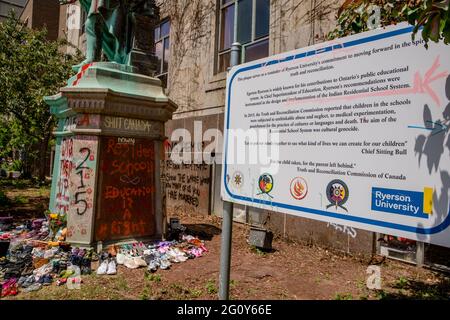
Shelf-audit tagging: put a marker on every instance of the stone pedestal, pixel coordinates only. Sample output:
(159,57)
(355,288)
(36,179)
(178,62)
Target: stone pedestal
(106,175)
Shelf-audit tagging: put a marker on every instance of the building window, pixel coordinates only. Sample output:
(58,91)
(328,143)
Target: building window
(162,50)
(247,22)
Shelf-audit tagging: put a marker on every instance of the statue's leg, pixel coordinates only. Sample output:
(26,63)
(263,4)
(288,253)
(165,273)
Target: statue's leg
(93,41)
(94,38)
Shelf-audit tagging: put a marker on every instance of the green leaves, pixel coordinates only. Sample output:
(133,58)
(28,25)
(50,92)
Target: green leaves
(430,17)
(31,67)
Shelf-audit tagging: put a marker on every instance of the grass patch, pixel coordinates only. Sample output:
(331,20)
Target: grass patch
(401,283)
(343,296)
(195,293)
(361,284)
(16,183)
(44,191)
(211,287)
(178,292)
(153,277)
(146,294)
(381,295)
(177,287)
(258,251)
(21,200)
(122,284)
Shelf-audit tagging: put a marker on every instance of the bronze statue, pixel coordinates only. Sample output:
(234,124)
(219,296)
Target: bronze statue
(110,27)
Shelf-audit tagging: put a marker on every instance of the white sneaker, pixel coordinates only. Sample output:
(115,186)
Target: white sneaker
(111,267)
(48,254)
(153,265)
(140,262)
(129,263)
(103,267)
(120,258)
(181,256)
(173,256)
(164,264)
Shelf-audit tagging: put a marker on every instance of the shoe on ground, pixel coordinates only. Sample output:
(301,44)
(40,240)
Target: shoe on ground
(103,268)
(153,265)
(130,263)
(21,281)
(140,262)
(120,258)
(180,255)
(28,282)
(164,264)
(112,269)
(33,287)
(47,280)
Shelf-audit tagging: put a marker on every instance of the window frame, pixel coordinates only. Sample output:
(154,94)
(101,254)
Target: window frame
(160,72)
(253,39)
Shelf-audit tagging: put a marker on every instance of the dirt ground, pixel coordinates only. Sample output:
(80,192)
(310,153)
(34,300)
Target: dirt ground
(24,200)
(293,270)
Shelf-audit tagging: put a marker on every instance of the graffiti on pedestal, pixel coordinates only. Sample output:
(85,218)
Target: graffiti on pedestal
(127,189)
(82,186)
(62,201)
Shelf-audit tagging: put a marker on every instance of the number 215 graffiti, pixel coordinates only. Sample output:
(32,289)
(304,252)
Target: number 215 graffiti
(83,176)
(82,170)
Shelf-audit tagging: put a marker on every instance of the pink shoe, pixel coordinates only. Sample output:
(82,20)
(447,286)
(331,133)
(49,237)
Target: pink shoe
(196,252)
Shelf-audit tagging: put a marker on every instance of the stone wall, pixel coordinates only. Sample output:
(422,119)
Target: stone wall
(189,186)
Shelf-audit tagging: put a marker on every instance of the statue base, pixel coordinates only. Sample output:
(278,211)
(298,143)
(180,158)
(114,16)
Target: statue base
(106,175)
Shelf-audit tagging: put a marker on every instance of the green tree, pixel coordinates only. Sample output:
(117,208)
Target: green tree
(430,17)
(31,67)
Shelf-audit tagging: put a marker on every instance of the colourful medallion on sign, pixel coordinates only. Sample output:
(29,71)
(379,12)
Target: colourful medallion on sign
(265,184)
(299,188)
(337,194)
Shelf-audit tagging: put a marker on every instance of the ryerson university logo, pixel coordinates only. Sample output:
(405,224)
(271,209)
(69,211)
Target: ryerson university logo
(404,202)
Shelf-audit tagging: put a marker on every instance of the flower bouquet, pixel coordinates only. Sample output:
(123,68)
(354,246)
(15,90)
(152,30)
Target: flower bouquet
(57,225)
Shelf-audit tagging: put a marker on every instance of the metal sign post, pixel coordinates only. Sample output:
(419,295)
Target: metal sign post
(227,215)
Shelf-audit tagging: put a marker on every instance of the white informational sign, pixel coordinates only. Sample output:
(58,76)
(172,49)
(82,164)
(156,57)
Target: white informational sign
(352,131)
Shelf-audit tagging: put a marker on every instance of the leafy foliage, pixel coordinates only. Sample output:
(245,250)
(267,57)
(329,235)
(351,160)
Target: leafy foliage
(432,17)
(31,67)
